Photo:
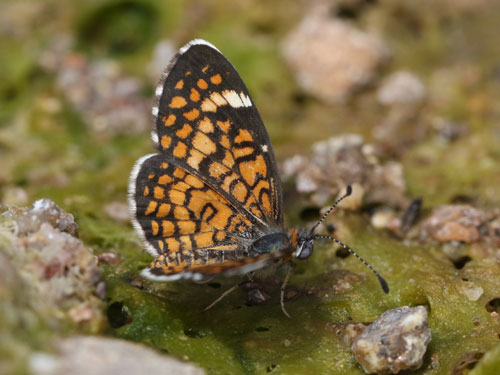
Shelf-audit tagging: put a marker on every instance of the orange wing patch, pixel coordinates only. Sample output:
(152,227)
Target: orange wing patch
(203,143)
(216,79)
(177,102)
(166,141)
(202,84)
(195,95)
(249,169)
(208,106)
(192,114)
(169,121)
(184,132)
(243,135)
(179,85)
(180,150)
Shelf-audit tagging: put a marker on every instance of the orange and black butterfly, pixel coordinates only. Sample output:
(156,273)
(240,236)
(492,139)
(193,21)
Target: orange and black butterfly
(209,203)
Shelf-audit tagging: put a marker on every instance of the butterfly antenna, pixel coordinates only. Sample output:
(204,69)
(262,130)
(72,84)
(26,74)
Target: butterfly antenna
(329,211)
(383,283)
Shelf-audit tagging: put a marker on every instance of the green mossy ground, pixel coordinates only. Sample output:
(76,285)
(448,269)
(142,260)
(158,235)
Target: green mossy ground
(233,338)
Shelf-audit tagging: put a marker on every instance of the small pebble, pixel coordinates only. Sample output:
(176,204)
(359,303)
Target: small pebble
(14,196)
(81,313)
(118,211)
(257,297)
(401,88)
(381,218)
(471,291)
(100,290)
(455,223)
(109,258)
(394,342)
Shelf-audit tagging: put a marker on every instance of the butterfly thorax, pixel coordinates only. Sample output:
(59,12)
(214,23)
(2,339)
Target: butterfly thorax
(296,241)
(270,243)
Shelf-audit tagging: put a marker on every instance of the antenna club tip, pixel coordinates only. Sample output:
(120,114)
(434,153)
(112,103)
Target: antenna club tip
(348,190)
(384,285)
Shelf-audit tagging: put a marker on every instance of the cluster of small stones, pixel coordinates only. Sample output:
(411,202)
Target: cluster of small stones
(355,163)
(382,185)
(49,278)
(60,275)
(109,101)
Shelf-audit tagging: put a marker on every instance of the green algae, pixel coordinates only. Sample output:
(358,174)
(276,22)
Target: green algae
(468,167)
(232,337)
(489,363)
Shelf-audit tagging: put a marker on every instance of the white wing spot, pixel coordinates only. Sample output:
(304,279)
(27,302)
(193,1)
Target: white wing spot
(264,148)
(155,111)
(218,99)
(159,90)
(154,137)
(245,99)
(232,98)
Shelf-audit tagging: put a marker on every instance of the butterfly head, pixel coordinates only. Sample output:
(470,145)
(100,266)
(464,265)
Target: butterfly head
(304,241)
(305,245)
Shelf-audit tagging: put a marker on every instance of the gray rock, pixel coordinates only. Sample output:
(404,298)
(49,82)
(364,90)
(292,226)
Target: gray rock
(104,356)
(394,342)
(44,211)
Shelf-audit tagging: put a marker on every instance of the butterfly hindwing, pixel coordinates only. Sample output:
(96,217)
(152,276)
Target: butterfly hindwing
(186,224)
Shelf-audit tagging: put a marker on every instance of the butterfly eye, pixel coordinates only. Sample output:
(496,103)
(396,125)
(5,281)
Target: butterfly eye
(305,249)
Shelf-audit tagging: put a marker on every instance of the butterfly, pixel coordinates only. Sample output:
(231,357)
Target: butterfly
(209,202)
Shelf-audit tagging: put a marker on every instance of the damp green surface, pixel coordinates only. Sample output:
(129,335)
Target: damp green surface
(236,338)
(455,52)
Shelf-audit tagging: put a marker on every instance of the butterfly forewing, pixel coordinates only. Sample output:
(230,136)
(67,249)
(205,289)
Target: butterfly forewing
(206,119)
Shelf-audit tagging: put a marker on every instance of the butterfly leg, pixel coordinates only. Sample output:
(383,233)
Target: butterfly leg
(226,293)
(205,281)
(283,287)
